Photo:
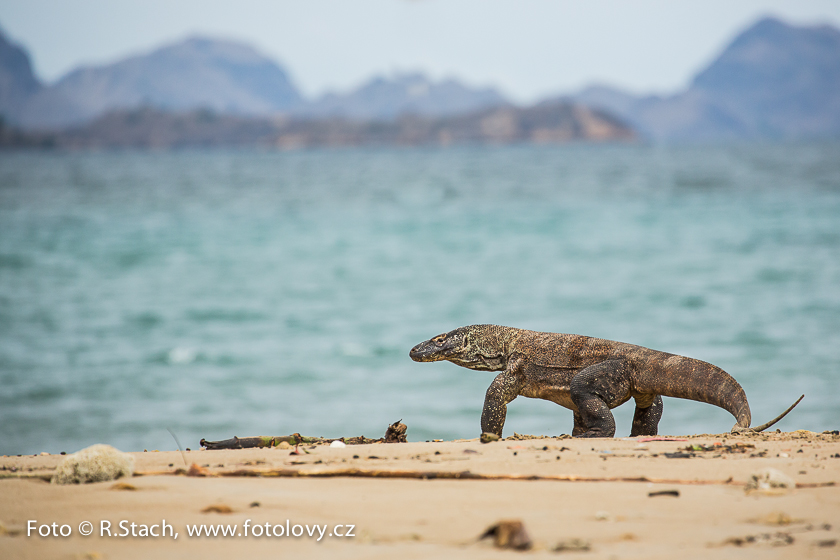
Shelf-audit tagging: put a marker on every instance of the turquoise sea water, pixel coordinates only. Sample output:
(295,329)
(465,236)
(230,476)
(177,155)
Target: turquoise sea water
(242,293)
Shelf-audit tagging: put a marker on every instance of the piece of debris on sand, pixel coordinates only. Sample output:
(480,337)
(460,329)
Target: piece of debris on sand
(573,545)
(396,433)
(767,539)
(769,481)
(217,508)
(508,533)
(97,463)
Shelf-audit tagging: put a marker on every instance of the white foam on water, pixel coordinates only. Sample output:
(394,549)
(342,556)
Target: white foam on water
(179,355)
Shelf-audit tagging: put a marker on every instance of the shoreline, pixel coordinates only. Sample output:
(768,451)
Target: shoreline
(625,497)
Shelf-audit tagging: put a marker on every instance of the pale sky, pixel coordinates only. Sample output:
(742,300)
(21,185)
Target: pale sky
(529,49)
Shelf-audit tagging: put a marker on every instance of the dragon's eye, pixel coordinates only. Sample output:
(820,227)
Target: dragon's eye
(439,339)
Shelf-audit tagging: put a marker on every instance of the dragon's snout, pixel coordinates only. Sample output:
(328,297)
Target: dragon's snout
(433,350)
(421,353)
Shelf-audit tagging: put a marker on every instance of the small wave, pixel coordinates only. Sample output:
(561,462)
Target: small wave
(753,338)
(775,275)
(144,321)
(43,394)
(181,355)
(693,302)
(353,350)
(225,315)
(131,259)
(14,262)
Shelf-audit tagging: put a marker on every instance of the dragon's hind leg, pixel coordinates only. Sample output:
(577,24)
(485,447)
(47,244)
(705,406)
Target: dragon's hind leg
(597,389)
(646,420)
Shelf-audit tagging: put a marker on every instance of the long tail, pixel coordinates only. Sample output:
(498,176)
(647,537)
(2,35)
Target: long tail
(766,425)
(687,378)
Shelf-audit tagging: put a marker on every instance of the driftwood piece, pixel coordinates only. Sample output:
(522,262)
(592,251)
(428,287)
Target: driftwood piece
(451,475)
(396,433)
(448,475)
(259,441)
(419,474)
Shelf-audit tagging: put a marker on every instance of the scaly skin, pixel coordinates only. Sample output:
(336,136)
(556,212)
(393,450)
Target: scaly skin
(587,375)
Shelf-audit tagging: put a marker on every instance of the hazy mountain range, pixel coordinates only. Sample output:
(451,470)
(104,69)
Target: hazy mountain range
(387,98)
(223,76)
(774,81)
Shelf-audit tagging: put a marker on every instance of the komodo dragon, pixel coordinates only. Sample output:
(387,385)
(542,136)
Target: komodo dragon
(587,375)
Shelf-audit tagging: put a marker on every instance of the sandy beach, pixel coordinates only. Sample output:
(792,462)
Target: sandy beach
(594,498)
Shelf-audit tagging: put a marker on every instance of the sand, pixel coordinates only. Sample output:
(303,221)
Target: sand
(609,513)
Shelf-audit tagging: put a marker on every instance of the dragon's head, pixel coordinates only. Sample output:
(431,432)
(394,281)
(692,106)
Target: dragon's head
(480,347)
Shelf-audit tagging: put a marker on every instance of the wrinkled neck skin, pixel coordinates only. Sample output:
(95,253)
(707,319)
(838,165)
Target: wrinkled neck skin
(477,347)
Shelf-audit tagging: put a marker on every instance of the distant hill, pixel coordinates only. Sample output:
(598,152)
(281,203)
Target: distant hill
(774,81)
(152,128)
(220,75)
(780,81)
(17,81)
(387,98)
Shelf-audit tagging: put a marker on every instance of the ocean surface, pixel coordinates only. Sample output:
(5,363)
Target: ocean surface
(265,293)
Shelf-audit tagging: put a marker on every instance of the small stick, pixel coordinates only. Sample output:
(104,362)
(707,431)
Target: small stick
(184,457)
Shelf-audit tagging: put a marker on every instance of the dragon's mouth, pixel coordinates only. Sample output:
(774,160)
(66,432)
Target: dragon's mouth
(470,363)
(479,363)
(423,352)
